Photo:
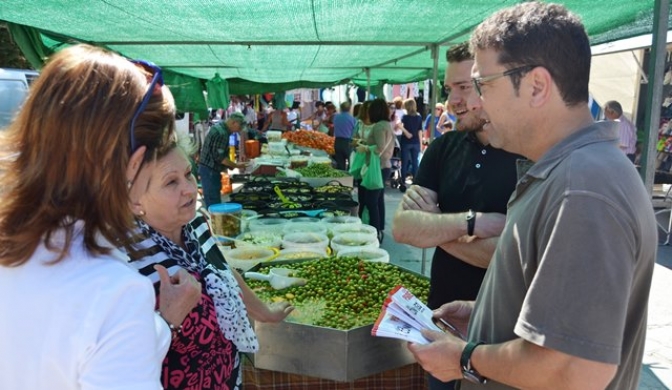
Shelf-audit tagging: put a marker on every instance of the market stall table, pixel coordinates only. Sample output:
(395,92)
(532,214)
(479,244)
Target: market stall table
(408,377)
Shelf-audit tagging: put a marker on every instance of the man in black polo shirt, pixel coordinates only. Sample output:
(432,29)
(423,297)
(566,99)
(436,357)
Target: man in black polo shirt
(457,202)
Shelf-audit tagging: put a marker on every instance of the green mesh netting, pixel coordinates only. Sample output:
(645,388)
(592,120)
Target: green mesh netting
(270,45)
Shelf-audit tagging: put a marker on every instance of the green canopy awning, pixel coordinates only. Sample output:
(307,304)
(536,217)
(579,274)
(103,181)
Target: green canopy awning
(269,45)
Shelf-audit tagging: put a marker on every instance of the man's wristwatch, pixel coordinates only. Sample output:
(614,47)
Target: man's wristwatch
(471,222)
(468,372)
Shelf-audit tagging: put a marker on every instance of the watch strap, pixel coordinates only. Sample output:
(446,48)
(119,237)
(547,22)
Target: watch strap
(471,222)
(468,372)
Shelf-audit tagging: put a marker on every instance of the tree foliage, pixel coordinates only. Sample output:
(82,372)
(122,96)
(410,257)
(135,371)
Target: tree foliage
(10,54)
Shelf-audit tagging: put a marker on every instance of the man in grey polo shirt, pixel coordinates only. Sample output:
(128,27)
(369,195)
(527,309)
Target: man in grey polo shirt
(564,301)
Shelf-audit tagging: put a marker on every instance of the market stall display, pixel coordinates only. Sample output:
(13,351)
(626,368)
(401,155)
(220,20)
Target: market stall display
(335,312)
(311,139)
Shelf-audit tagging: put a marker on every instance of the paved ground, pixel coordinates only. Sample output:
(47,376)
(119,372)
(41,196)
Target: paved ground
(657,367)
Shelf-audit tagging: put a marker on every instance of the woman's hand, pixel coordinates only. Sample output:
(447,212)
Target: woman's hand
(178,294)
(278,311)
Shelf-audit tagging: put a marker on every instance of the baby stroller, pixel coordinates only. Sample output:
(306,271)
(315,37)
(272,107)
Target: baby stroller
(395,172)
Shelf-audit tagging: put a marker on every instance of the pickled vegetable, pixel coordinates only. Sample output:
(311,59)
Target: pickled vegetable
(226,224)
(347,291)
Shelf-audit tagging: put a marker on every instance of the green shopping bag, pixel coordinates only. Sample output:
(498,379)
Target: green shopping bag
(372,179)
(357,161)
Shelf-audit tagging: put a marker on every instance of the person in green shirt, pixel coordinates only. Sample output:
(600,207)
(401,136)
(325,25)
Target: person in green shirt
(214,157)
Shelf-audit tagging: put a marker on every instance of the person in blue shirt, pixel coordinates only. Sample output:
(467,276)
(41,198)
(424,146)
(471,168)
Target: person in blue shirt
(344,126)
(438,110)
(410,141)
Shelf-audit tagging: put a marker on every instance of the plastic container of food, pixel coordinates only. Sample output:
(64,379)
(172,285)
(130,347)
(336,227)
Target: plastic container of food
(316,241)
(247,257)
(274,136)
(300,254)
(268,224)
(367,254)
(262,238)
(320,160)
(225,219)
(305,220)
(246,216)
(277,148)
(353,240)
(298,161)
(305,227)
(354,228)
(331,222)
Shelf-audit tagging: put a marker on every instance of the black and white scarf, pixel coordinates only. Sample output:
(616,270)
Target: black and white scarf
(220,284)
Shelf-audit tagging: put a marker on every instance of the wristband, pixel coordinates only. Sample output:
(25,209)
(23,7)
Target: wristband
(471,222)
(468,371)
(174,330)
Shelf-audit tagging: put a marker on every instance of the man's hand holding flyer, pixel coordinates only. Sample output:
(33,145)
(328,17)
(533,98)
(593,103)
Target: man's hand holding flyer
(403,316)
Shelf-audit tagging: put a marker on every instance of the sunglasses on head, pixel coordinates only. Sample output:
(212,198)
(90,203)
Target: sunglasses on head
(156,81)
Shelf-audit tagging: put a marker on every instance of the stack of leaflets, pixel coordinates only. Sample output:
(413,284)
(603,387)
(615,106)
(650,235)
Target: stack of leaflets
(403,316)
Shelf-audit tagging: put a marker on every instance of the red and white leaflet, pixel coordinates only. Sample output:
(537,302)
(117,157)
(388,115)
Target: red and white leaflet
(413,307)
(388,325)
(403,316)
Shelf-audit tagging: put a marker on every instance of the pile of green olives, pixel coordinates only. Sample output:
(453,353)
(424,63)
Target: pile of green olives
(350,290)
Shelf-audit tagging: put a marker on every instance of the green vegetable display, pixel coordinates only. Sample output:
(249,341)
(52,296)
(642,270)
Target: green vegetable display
(341,293)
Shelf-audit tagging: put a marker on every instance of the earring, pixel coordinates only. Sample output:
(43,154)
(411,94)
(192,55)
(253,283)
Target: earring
(129,184)
(142,213)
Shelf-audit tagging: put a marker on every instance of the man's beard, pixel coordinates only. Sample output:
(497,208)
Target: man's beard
(473,128)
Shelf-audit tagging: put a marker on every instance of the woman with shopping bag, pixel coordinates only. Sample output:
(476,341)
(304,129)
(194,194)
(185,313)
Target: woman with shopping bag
(373,165)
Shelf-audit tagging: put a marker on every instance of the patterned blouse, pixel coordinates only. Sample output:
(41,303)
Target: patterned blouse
(200,357)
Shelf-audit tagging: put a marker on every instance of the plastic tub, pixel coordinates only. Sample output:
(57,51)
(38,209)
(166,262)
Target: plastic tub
(274,136)
(320,160)
(226,219)
(268,224)
(305,220)
(262,238)
(331,222)
(247,257)
(305,227)
(277,148)
(300,254)
(367,254)
(298,161)
(306,240)
(246,216)
(355,228)
(353,240)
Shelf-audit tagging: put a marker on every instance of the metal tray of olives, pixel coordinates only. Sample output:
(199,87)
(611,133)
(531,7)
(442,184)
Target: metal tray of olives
(327,353)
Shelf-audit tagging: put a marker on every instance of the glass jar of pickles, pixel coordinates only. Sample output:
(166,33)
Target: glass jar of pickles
(226,220)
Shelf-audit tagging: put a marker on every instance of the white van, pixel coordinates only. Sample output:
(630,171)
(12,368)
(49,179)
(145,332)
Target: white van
(14,84)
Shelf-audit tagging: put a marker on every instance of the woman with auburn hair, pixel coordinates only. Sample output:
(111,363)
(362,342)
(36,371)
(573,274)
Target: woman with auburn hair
(380,142)
(82,318)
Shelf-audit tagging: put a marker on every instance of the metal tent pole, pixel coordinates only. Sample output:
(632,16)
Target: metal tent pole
(654,92)
(368,83)
(434,87)
(432,102)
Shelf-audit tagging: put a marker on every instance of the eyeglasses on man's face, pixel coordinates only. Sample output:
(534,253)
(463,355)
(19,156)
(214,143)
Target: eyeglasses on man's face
(479,81)
(157,79)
